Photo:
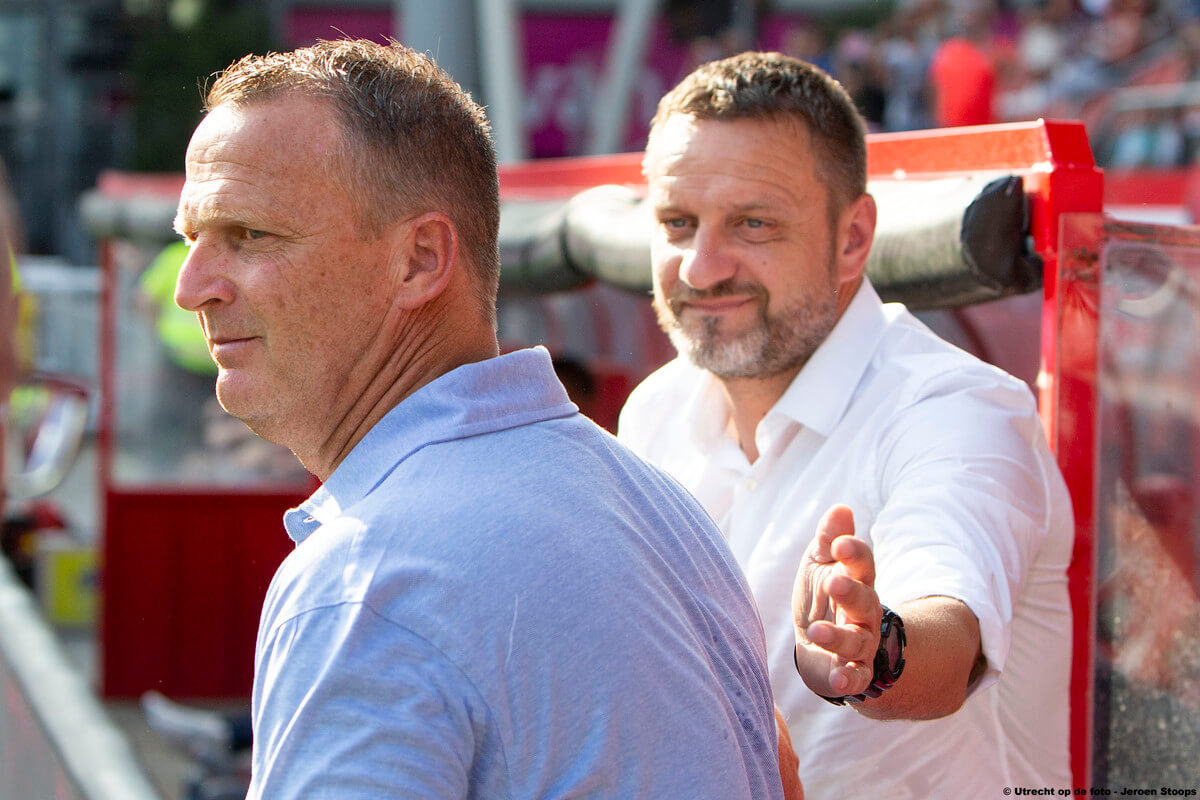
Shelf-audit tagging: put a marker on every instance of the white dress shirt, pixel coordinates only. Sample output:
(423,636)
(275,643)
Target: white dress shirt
(943,460)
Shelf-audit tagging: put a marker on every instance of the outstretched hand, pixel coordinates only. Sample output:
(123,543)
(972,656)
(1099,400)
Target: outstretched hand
(835,609)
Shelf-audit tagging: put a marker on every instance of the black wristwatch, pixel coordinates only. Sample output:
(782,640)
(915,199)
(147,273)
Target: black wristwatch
(889,660)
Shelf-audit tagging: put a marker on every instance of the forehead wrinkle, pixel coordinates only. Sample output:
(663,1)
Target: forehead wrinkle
(685,146)
(212,210)
(201,208)
(732,196)
(239,174)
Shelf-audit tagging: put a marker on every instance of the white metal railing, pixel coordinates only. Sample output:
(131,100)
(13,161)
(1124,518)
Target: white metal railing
(55,739)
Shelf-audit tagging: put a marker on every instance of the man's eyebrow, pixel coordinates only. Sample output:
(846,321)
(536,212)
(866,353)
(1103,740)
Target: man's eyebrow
(188,218)
(672,207)
(666,208)
(751,205)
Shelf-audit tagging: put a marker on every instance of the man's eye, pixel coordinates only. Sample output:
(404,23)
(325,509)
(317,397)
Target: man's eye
(253,234)
(753,222)
(675,223)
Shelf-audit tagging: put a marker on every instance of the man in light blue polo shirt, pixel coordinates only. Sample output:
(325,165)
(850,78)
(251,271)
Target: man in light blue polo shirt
(489,596)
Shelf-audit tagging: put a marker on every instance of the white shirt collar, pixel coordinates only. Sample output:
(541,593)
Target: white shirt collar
(818,396)
(821,393)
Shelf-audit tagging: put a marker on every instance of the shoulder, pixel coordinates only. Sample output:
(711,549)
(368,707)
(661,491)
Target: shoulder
(925,404)
(923,366)
(943,417)
(488,520)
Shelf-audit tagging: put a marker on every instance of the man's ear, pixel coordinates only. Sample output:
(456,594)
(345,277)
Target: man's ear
(425,258)
(855,234)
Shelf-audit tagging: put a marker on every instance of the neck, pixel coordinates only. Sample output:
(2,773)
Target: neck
(429,344)
(749,400)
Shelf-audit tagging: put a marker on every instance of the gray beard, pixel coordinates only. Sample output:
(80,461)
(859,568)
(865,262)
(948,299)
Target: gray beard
(778,343)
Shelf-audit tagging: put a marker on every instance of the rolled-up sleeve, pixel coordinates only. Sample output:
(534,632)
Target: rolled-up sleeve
(964,498)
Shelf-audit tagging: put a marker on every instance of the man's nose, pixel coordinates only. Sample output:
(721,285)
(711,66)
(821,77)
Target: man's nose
(202,278)
(706,260)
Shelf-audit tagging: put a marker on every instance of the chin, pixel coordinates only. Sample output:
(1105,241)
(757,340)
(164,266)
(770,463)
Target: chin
(739,357)
(240,400)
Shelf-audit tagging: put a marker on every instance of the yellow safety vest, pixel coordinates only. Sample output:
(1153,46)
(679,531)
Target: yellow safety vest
(23,336)
(178,330)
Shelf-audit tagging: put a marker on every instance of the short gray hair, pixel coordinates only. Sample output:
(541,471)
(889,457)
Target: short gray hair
(414,141)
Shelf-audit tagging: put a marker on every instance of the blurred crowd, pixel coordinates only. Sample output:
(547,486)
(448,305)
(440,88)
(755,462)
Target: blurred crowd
(1122,66)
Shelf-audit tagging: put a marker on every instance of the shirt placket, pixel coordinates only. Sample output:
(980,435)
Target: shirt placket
(749,515)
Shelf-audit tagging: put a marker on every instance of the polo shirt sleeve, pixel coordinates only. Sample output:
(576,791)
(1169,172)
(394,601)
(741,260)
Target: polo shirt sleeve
(965,487)
(349,705)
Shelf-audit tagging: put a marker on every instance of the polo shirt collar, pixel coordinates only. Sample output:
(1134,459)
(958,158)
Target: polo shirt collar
(512,390)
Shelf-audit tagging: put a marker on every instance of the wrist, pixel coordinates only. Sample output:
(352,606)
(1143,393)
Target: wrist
(888,663)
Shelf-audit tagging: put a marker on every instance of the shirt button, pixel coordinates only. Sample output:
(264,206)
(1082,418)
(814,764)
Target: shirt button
(749,484)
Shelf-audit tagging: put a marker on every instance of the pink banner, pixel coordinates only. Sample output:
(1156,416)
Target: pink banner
(564,61)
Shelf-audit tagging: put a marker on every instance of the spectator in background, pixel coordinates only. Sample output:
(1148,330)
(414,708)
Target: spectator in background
(905,65)
(1038,51)
(189,435)
(962,74)
(805,40)
(178,330)
(1133,140)
(712,29)
(857,68)
(183,374)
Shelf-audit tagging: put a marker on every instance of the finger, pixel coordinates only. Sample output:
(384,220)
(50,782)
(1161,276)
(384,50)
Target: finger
(851,678)
(810,599)
(846,642)
(855,557)
(837,521)
(855,603)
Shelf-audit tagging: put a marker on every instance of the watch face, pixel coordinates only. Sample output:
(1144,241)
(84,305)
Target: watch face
(892,643)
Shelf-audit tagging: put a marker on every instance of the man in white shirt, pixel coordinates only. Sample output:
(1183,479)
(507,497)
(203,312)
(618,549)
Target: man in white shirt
(798,391)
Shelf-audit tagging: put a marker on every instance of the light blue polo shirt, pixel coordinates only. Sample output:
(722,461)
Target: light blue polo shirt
(492,598)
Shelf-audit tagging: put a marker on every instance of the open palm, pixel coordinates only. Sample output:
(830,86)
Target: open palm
(835,608)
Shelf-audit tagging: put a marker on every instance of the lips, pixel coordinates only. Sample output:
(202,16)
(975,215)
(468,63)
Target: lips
(225,349)
(715,305)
